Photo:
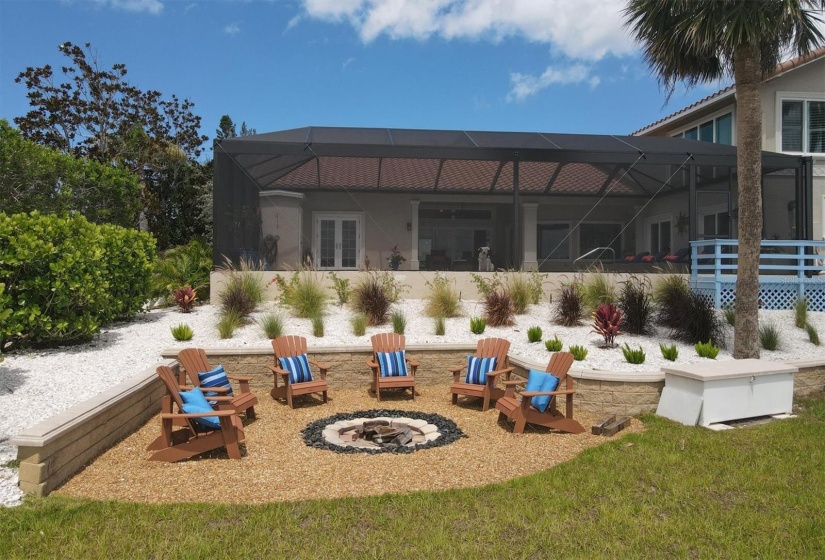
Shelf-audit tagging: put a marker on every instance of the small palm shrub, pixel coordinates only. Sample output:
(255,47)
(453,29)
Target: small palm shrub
(341,287)
(442,299)
(606,322)
(633,356)
(477,325)
(813,336)
(769,336)
(359,324)
(636,305)
(371,296)
(304,293)
(185,298)
(440,327)
(178,266)
(553,344)
(272,325)
(399,322)
(801,312)
(534,334)
(569,310)
(498,309)
(707,350)
(598,289)
(182,332)
(730,315)
(669,352)
(229,321)
(579,352)
(318,326)
(241,294)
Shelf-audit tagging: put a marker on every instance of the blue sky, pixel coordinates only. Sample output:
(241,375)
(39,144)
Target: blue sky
(529,65)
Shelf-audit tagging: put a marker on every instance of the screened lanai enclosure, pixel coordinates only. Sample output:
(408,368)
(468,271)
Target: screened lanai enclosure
(345,198)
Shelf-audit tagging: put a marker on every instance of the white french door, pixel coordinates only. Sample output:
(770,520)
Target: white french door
(339,240)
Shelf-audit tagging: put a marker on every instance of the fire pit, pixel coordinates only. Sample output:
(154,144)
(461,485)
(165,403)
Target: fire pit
(377,431)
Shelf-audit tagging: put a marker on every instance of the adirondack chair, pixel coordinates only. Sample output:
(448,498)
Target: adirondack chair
(487,348)
(512,408)
(291,347)
(193,439)
(390,342)
(194,361)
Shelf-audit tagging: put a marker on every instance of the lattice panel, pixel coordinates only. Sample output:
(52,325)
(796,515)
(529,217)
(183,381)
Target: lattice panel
(728,297)
(771,295)
(777,296)
(816,298)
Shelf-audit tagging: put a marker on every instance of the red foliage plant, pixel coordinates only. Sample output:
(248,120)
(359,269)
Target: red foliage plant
(606,321)
(185,298)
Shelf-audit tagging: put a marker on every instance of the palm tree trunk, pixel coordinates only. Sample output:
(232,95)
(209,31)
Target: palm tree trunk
(748,77)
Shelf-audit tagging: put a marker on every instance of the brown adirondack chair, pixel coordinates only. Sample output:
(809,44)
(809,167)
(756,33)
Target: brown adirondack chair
(289,347)
(510,407)
(194,361)
(177,445)
(390,342)
(487,348)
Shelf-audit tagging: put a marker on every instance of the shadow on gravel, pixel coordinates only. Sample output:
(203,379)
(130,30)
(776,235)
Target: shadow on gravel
(11,379)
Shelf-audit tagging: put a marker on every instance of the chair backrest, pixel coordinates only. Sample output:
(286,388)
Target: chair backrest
(387,342)
(494,347)
(168,377)
(559,365)
(289,346)
(194,361)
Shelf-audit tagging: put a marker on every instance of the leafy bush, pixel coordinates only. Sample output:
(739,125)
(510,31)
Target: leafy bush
(730,314)
(769,336)
(633,356)
(606,321)
(185,298)
(477,325)
(359,324)
(534,282)
(341,287)
(636,305)
(813,336)
(272,325)
(392,287)
(579,352)
(534,334)
(241,294)
(304,293)
(569,309)
(371,297)
(485,285)
(498,309)
(440,327)
(517,286)
(553,344)
(597,289)
(669,352)
(707,350)
(442,298)
(186,264)
(65,277)
(690,317)
(182,332)
(801,312)
(229,321)
(318,326)
(399,322)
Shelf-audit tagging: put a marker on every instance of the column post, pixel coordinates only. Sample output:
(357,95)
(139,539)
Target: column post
(529,219)
(415,263)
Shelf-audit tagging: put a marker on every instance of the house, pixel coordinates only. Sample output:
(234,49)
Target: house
(793,122)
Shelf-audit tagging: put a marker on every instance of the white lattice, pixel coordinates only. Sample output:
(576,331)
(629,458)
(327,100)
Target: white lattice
(815,297)
(777,296)
(772,295)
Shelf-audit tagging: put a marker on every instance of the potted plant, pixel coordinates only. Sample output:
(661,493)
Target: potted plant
(395,259)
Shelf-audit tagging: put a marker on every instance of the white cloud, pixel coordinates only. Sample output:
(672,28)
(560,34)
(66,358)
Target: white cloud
(347,62)
(523,86)
(189,7)
(293,23)
(137,6)
(232,29)
(581,29)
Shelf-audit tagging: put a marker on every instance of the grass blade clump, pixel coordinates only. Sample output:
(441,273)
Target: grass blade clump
(669,352)
(636,305)
(440,327)
(707,350)
(228,322)
(671,294)
(579,352)
(371,297)
(769,336)
(303,294)
(241,294)
(633,356)
(801,312)
(359,324)
(813,336)
(498,309)
(442,298)
(318,326)
(518,288)
(553,344)
(569,310)
(399,322)
(690,316)
(182,332)
(730,314)
(534,334)
(598,289)
(272,324)
(477,325)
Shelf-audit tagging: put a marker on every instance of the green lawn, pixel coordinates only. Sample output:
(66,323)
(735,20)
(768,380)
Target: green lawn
(671,492)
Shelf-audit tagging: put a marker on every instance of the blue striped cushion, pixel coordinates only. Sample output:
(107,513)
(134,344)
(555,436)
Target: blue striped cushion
(215,378)
(193,403)
(478,368)
(392,364)
(298,368)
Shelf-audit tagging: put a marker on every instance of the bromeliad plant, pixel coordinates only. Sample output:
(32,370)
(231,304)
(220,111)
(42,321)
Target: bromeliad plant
(185,298)
(606,321)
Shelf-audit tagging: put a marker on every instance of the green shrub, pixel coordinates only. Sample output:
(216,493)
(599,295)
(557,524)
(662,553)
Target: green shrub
(579,352)
(186,264)
(498,309)
(486,285)
(569,310)
(477,325)
(534,334)
(182,332)
(373,296)
(518,288)
(553,344)
(442,298)
(5,312)
(242,293)
(730,314)
(633,356)
(801,312)
(535,281)
(65,277)
(392,287)
(671,288)
(272,325)
(707,350)
(669,352)
(399,322)
(341,287)
(318,326)
(690,317)
(304,294)
(359,324)
(229,321)
(769,336)
(813,336)
(597,289)
(440,327)
(636,305)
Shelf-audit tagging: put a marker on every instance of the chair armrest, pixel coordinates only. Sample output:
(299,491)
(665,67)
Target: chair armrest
(277,371)
(547,393)
(498,372)
(319,365)
(413,363)
(371,363)
(455,369)
(240,378)
(172,415)
(218,399)
(215,390)
(513,383)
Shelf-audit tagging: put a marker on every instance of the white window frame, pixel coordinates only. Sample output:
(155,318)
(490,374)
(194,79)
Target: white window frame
(711,117)
(796,96)
(657,219)
(569,225)
(618,256)
(316,249)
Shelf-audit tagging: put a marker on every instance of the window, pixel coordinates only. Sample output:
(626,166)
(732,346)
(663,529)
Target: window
(592,236)
(691,134)
(659,236)
(803,126)
(718,130)
(554,241)
(716,226)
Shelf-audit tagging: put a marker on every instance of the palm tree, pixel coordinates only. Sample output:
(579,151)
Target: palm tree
(693,41)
